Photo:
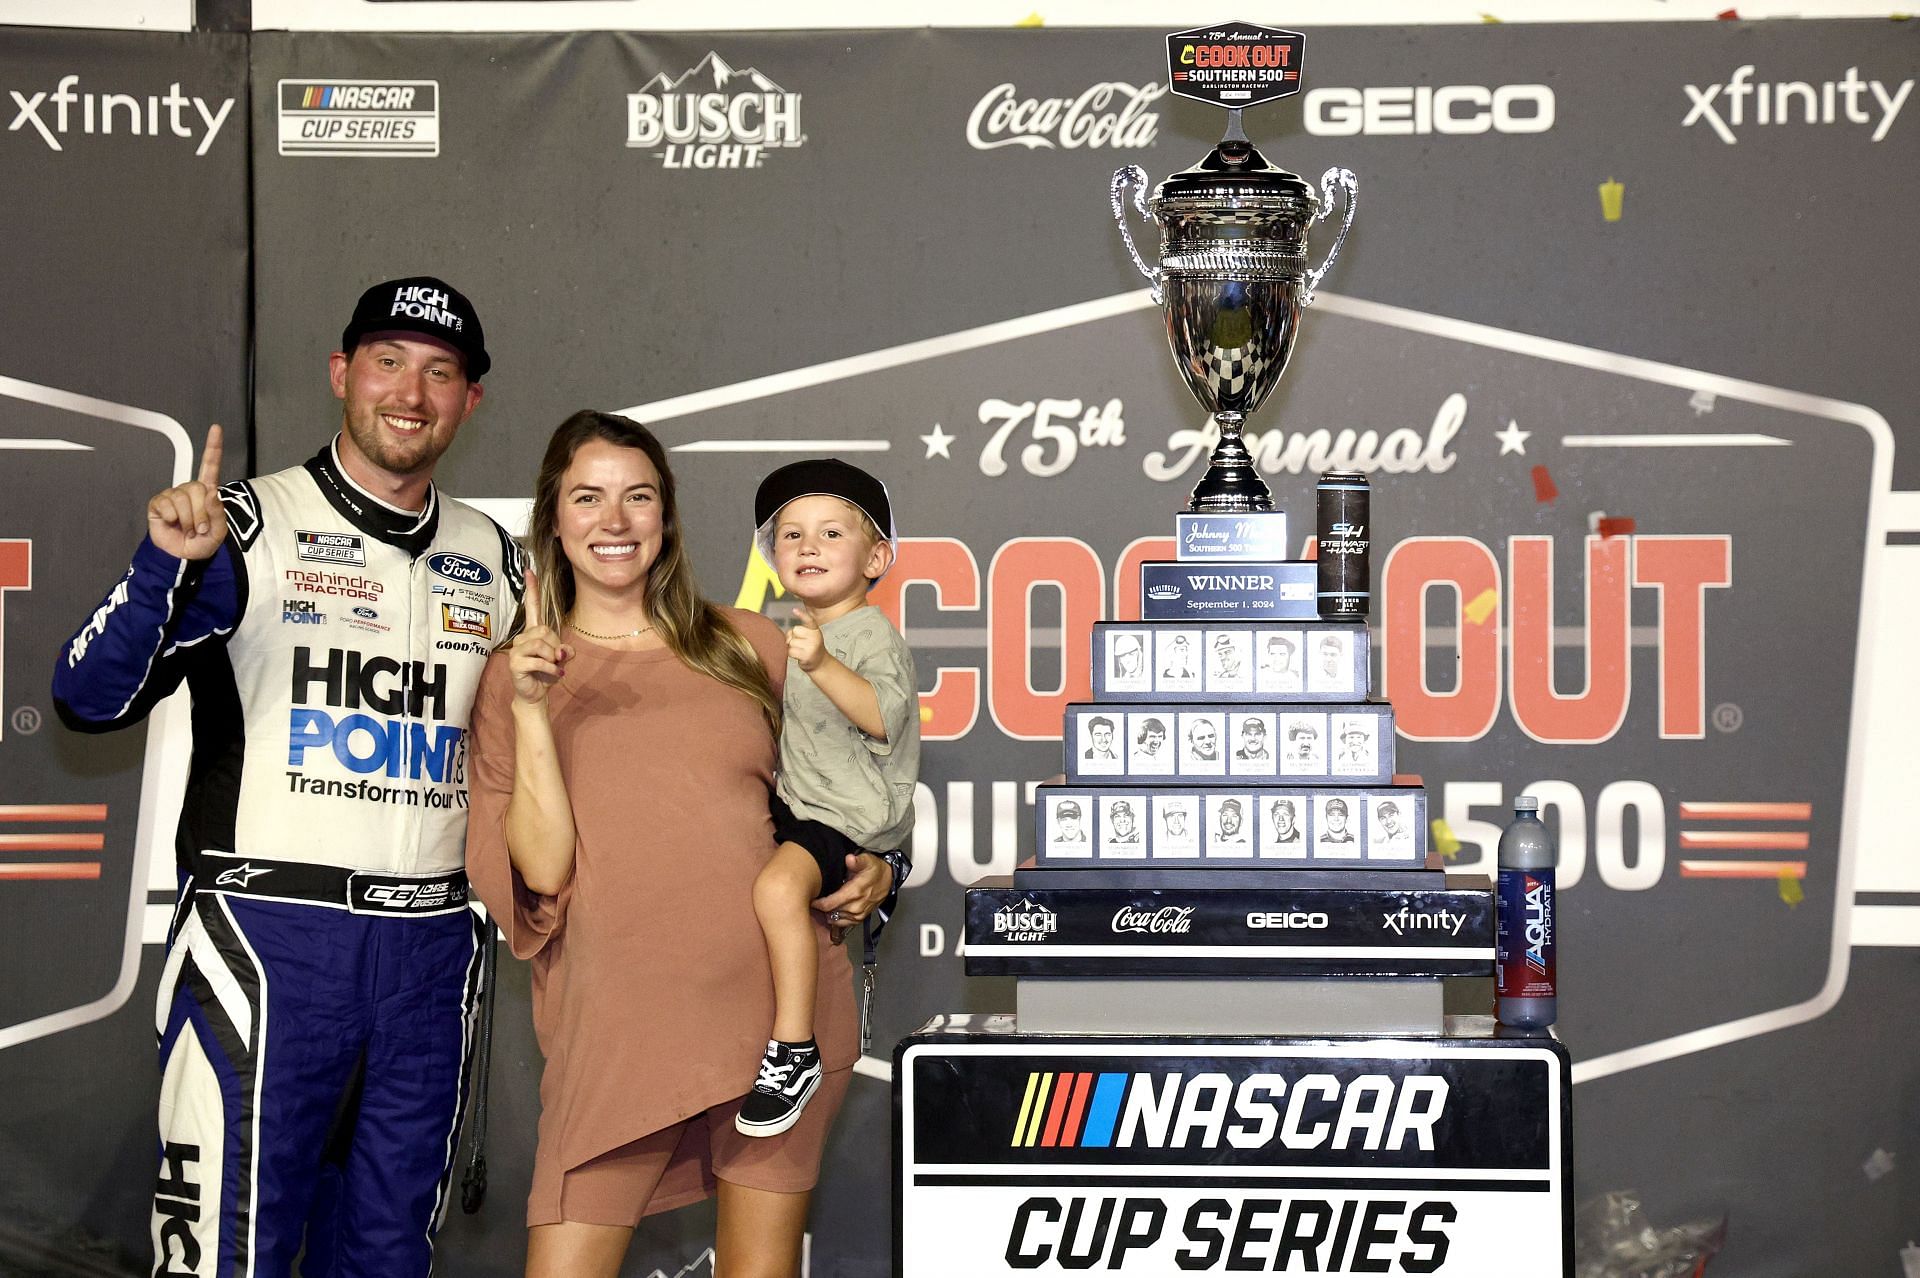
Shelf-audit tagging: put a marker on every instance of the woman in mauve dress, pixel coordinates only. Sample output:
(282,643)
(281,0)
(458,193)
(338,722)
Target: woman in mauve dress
(621,756)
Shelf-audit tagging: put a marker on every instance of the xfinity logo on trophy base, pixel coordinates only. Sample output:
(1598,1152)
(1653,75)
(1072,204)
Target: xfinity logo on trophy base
(1411,109)
(1111,114)
(1402,921)
(713,117)
(359,117)
(57,114)
(1741,101)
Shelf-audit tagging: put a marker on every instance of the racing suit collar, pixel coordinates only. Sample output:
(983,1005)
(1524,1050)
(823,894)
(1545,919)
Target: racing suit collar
(410,530)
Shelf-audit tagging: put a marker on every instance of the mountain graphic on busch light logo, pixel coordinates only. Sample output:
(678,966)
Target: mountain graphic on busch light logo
(712,73)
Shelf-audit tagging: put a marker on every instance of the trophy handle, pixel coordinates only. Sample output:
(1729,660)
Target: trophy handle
(1333,179)
(1136,177)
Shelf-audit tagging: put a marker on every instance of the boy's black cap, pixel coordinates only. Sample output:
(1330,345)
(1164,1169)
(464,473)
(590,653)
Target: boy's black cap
(819,477)
(421,304)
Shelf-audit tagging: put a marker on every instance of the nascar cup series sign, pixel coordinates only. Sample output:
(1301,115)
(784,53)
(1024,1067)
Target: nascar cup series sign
(1141,1156)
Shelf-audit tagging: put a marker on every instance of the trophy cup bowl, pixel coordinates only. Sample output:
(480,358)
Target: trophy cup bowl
(1231,281)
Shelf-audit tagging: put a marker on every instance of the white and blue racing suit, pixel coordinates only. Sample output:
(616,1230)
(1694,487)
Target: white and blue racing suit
(318,997)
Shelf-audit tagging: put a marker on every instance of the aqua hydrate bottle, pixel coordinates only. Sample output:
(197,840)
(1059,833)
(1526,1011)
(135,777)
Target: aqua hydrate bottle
(1523,962)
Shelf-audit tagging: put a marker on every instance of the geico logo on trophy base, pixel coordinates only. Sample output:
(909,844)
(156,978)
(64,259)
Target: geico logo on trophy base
(1233,275)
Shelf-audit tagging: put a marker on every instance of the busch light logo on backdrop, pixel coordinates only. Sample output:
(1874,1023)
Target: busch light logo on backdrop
(713,117)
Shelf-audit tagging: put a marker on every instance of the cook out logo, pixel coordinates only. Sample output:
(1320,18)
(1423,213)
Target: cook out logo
(713,117)
(1110,115)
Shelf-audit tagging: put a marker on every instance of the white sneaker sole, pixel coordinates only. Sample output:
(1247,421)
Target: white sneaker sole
(781,1124)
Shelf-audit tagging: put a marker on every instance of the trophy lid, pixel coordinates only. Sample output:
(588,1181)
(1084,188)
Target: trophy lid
(1236,172)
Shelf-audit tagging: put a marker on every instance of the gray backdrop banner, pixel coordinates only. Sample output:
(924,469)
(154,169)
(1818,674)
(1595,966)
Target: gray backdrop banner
(123,333)
(897,246)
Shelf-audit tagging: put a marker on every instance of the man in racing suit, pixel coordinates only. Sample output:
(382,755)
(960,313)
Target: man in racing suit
(331,621)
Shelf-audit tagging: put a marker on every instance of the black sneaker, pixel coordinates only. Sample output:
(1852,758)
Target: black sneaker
(789,1073)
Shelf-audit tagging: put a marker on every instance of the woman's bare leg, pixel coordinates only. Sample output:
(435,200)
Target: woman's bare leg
(759,1232)
(573,1250)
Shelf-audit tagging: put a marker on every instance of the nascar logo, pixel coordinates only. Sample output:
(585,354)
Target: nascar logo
(359,117)
(1069,1110)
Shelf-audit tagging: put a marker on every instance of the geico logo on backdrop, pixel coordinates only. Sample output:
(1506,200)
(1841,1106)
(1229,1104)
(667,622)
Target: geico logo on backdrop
(1741,100)
(1110,114)
(59,113)
(1411,109)
(359,117)
(713,117)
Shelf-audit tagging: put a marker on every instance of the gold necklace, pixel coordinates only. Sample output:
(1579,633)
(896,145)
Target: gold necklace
(577,628)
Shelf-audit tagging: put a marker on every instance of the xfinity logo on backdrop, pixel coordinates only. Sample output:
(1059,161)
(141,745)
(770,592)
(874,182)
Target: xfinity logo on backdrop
(57,114)
(1422,109)
(713,117)
(359,117)
(1740,101)
(1110,114)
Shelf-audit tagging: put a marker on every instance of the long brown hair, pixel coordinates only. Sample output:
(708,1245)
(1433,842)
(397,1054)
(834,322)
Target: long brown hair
(696,631)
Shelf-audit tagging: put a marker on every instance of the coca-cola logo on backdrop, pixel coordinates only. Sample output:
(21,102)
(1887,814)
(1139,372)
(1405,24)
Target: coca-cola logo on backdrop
(1112,114)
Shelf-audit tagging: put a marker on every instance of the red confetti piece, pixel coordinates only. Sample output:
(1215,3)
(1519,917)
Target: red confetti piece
(1543,489)
(1728,15)
(1615,527)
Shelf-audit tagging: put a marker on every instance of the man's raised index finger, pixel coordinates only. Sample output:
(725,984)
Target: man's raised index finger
(210,458)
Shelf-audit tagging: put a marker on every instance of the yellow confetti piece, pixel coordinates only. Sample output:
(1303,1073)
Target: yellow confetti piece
(926,714)
(757,581)
(1613,199)
(1488,17)
(1790,890)
(1445,842)
(1482,606)
(1032,20)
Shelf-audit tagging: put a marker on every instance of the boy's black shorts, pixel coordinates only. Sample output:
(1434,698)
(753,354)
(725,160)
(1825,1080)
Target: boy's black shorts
(827,846)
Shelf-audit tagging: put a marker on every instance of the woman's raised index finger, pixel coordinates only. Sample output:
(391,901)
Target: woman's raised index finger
(210,457)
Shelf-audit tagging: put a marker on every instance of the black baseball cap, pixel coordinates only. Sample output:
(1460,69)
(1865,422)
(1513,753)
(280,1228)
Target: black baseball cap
(421,304)
(819,477)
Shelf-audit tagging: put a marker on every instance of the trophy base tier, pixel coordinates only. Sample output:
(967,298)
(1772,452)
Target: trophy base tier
(1031,874)
(1413,1005)
(1445,1153)
(1341,743)
(1199,827)
(1166,931)
(1262,661)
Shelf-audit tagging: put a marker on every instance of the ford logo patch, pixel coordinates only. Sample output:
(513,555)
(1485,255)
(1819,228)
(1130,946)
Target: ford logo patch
(365,614)
(468,572)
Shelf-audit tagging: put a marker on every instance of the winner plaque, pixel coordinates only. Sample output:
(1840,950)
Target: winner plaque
(1232,275)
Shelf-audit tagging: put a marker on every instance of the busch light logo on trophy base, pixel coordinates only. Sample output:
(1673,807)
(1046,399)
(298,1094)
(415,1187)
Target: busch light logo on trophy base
(1233,271)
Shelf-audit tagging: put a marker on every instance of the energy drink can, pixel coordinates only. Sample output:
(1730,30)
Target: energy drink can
(1345,541)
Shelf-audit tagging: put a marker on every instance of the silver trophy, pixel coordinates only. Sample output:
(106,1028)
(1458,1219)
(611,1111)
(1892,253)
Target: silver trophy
(1232,278)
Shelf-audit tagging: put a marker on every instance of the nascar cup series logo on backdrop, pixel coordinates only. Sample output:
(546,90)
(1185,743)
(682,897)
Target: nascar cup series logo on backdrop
(1111,114)
(359,117)
(713,117)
